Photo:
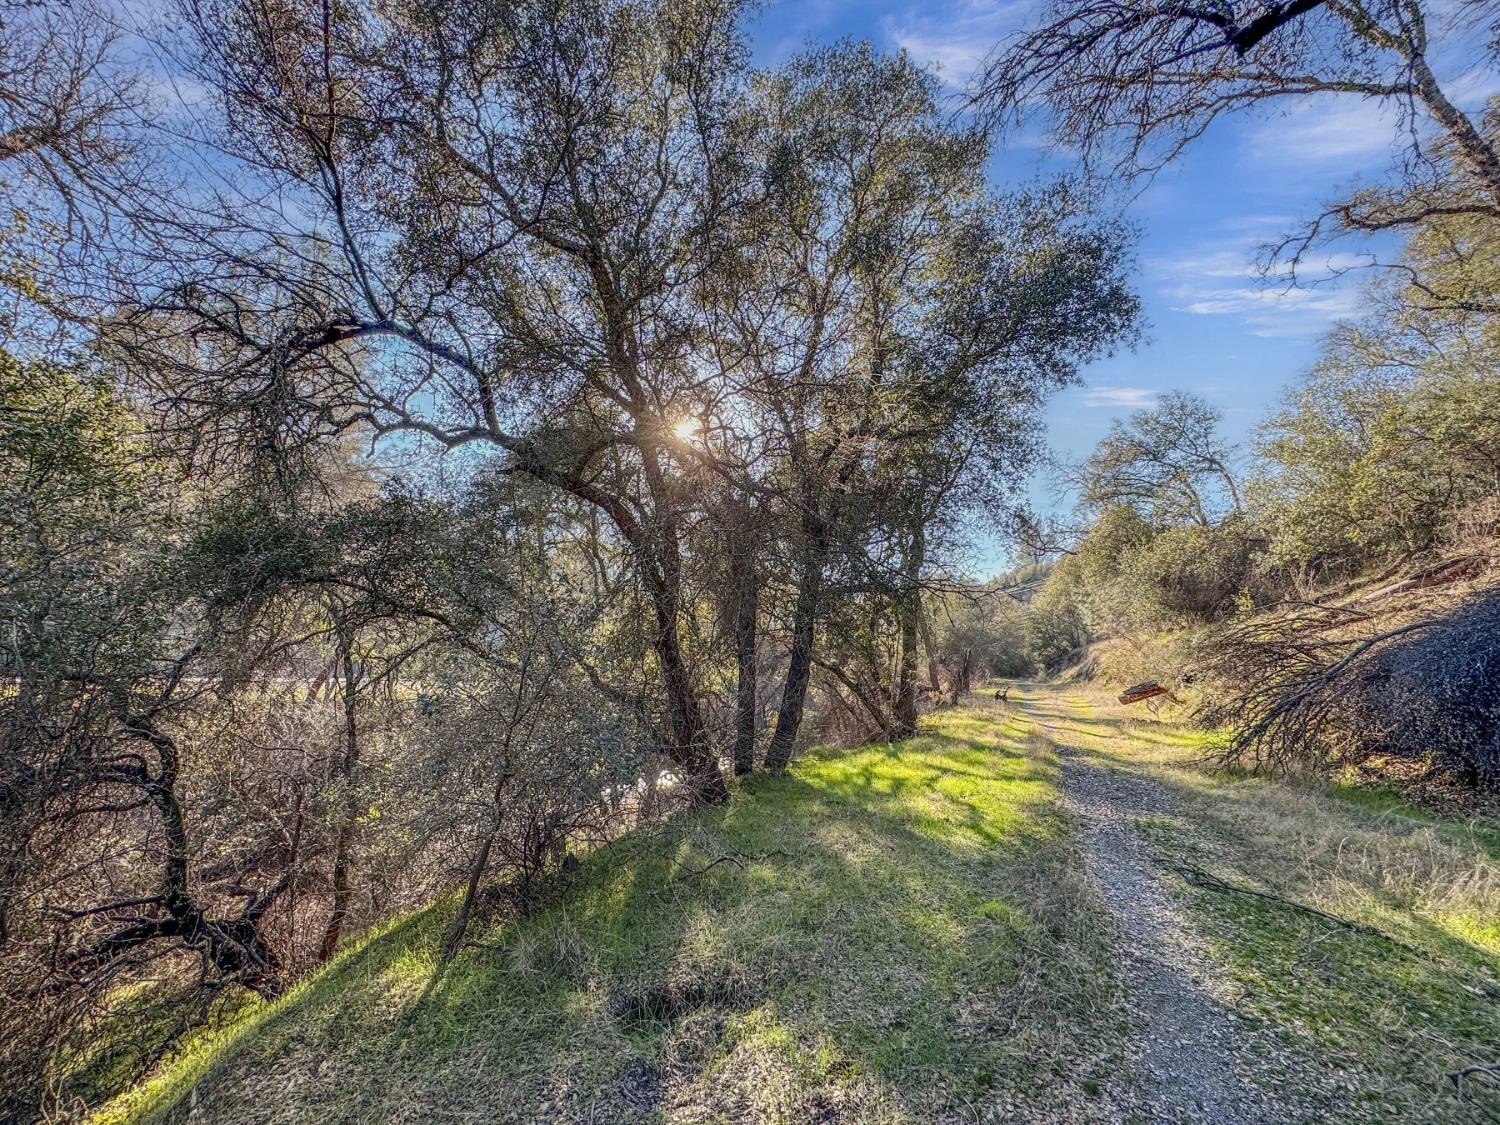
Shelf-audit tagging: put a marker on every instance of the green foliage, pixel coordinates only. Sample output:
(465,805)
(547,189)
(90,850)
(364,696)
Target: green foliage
(1397,429)
(80,508)
(1167,463)
(850,934)
(18,270)
(1117,532)
(1129,576)
(1055,621)
(992,626)
(64,440)
(1367,462)
(1192,574)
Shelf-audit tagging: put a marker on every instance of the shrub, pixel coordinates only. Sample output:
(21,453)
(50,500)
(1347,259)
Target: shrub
(1323,685)
(1435,693)
(1363,465)
(1189,575)
(1055,624)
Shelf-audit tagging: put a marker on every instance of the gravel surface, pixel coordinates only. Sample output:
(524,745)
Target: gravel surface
(1189,1056)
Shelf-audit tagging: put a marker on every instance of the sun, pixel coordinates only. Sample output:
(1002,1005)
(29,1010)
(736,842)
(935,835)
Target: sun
(687,429)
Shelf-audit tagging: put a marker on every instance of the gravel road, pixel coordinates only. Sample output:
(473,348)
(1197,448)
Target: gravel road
(1189,1057)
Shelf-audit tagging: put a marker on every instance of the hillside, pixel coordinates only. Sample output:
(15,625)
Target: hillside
(1025,913)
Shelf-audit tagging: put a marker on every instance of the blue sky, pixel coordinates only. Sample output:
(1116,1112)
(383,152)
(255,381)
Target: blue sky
(1214,326)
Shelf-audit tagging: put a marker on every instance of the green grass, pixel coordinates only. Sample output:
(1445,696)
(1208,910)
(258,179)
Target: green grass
(1386,1021)
(895,933)
(889,933)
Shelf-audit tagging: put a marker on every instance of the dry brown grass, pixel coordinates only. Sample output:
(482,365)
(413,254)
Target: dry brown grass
(1403,1013)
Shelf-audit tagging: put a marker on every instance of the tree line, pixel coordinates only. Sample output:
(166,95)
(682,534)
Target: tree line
(1279,578)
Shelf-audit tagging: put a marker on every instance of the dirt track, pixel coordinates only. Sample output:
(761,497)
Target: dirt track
(1188,1055)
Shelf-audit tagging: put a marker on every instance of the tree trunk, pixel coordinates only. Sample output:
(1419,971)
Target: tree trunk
(906,677)
(799,665)
(746,609)
(964,681)
(910,609)
(348,762)
(696,760)
(460,924)
(929,645)
(658,565)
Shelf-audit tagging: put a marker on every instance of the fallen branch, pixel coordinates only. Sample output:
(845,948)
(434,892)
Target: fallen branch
(1458,1076)
(1294,694)
(1202,878)
(736,858)
(1208,879)
(1453,570)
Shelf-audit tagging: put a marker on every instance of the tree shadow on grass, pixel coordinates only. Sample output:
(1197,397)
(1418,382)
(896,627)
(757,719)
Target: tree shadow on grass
(844,934)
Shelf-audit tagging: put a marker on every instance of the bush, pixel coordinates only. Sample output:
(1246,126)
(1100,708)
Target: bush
(1128,576)
(1364,466)
(1055,624)
(1435,693)
(1189,575)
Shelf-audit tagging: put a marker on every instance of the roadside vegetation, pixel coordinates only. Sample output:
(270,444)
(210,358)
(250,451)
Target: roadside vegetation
(1359,926)
(896,932)
(902,932)
(1327,597)
(531,421)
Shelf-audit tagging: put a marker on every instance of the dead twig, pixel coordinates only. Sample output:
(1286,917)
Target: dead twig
(1202,878)
(1458,1077)
(736,858)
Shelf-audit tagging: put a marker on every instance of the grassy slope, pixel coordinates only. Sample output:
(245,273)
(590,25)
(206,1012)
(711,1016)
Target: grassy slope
(1391,1021)
(889,933)
(895,933)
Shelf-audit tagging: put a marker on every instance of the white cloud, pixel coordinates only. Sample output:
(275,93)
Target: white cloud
(1254,298)
(956,39)
(1246,263)
(1213,263)
(1257,225)
(1223,278)
(1269,310)
(1120,398)
(1474,88)
(1324,129)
